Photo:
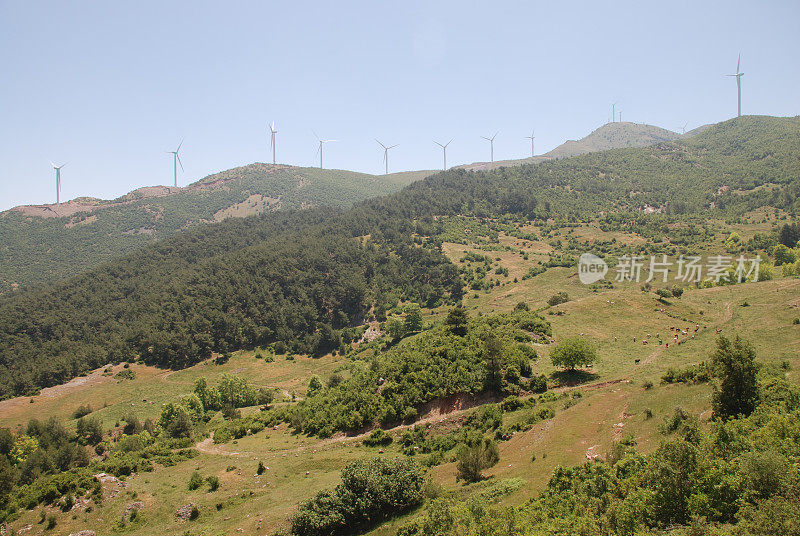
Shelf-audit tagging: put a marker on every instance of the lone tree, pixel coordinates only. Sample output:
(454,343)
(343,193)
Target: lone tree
(456,321)
(472,460)
(492,355)
(574,352)
(735,368)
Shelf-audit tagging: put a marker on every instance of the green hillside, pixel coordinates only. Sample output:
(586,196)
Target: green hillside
(608,136)
(50,242)
(428,363)
(271,279)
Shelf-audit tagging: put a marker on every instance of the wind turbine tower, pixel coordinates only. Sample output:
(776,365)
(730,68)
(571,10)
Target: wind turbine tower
(386,155)
(319,150)
(176,159)
(444,152)
(739,76)
(272,131)
(613,115)
(58,181)
(491,143)
(531,137)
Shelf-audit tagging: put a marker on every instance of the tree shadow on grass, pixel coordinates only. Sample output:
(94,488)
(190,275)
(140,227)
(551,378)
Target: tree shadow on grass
(568,378)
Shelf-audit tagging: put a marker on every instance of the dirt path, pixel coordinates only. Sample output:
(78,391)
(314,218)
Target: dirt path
(207,446)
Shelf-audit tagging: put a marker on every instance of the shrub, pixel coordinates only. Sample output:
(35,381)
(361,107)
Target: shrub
(370,491)
(473,460)
(378,438)
(213,483)
(195,481)
(511,403)
(82,411)
(538,384)
(557,299)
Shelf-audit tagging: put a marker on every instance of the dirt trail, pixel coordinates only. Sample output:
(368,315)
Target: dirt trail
(207,446)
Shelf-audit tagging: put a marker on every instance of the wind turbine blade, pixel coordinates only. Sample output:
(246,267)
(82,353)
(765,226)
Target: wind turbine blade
(393,146)
(315,135)
(495,135)
(179,160)
(439,144)
(179,147)
(448,143)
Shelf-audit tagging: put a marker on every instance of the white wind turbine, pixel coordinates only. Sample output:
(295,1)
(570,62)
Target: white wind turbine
(58,181)
(176,159)
(444,151)
(531,137)
(272,131)
(739,76)
(491,143)
(319,150)
(386,155)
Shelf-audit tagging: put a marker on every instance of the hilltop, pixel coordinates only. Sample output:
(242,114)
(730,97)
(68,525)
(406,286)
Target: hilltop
(42,243)
(609,136)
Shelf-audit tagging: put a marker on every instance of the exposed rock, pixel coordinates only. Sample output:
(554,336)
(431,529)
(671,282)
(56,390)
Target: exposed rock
(185,511)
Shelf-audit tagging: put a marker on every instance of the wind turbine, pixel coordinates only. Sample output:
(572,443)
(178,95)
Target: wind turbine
(683,128)
(531,137)
(491,143)
(613,115)
(272,131)
(739,76)
(319,151)
(58,181)
(444,151)
(386,155)
(620,117)
(176,159)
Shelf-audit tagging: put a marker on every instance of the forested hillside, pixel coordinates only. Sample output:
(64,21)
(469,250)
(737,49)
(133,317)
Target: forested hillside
(46,243)
(305,279)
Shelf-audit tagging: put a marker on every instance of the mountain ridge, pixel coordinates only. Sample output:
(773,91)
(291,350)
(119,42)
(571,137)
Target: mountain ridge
(609,136)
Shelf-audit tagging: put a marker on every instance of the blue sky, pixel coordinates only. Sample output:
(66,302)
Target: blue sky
(110,86)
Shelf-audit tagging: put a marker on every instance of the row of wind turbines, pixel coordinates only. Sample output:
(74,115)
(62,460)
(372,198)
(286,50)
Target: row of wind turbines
(176,159)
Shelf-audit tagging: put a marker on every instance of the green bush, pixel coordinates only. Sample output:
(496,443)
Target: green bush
(370,491)
(195,481)
(474,459)
(378,438)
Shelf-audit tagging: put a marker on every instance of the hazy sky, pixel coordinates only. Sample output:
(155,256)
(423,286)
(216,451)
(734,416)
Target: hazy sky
(110,86)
